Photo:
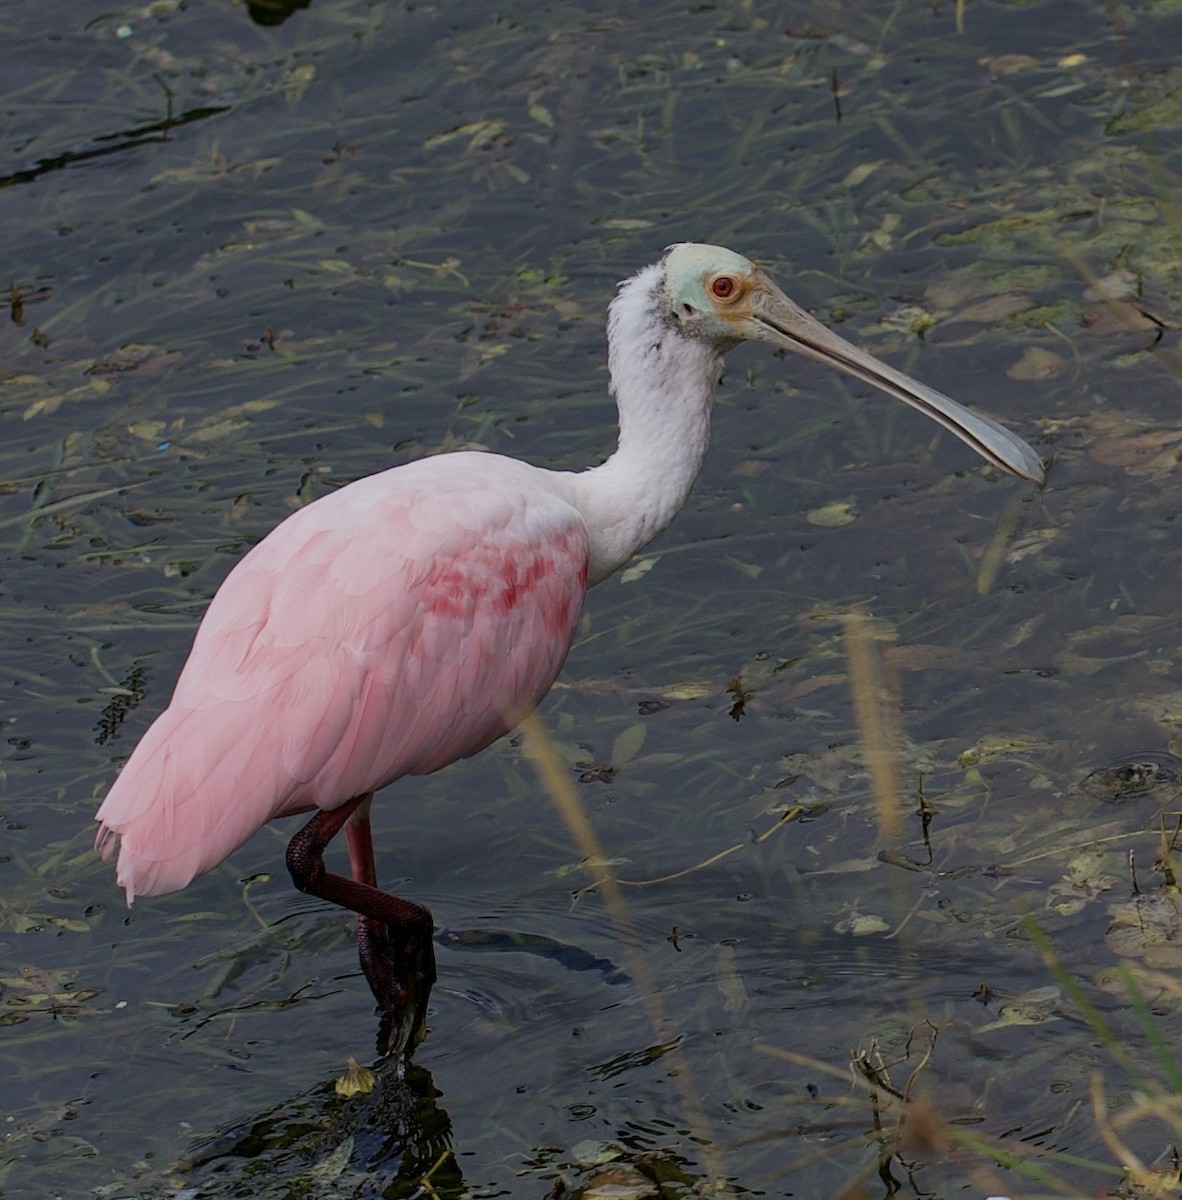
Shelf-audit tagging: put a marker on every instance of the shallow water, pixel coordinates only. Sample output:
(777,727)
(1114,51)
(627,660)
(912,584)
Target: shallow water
(250,263)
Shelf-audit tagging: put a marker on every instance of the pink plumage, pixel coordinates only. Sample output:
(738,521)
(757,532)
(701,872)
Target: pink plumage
(390,628)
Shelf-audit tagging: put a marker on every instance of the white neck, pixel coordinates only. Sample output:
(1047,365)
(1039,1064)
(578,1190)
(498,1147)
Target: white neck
(664,384)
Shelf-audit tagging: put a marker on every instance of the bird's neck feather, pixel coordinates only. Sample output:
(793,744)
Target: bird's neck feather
(664,384)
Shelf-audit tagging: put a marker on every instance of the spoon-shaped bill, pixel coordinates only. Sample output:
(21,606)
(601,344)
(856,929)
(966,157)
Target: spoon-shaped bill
(785,324)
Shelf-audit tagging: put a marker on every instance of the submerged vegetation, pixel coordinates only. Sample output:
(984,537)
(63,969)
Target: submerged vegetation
(879,753)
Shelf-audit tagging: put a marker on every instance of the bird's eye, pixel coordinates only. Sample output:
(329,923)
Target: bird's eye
(724,287)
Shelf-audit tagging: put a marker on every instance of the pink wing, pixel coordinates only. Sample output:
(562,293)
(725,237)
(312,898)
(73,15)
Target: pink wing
(403,622)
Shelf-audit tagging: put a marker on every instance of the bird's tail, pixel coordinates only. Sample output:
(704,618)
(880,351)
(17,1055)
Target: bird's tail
(185,800)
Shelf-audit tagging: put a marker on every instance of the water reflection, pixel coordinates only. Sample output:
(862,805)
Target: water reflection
(396,1141)
(274,12)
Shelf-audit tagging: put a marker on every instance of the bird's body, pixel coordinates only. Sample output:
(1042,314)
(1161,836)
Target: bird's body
(415,616)
(396,625)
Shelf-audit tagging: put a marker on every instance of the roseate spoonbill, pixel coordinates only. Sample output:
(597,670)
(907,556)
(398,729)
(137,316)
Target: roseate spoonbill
(415,616)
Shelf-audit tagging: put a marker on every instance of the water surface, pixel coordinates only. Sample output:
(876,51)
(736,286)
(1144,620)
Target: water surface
(251,262)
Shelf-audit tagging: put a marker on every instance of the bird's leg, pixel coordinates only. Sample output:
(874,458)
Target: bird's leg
(401,955)
(393,935)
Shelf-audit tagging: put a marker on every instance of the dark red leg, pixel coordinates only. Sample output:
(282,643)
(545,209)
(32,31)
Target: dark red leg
(393,935)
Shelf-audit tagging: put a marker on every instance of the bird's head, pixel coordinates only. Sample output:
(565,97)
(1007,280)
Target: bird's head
(714,295)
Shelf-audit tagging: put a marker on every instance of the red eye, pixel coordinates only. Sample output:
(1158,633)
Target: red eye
(724,287)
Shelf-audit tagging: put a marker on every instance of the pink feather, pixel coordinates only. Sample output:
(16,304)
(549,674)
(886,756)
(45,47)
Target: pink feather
(405,621)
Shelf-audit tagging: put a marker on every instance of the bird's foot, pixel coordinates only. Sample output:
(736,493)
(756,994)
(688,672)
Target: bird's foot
(399,962)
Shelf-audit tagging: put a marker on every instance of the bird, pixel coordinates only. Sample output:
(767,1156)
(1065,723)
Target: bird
(413,617)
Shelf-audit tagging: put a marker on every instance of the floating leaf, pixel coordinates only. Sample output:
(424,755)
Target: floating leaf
(619,1182)
(149,431)
(690,689)
(862,925)
(637,569)
(861,173)
(592,1153)
(994,308)
(71,924)
(832,515)
(297,83)
(356,1081)
(1148,927)
(1037,363)
(1008,64)
(1035,1007)
(628,744)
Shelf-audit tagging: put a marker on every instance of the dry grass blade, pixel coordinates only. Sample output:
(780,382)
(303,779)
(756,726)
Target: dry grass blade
(875,688)
(552,774)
